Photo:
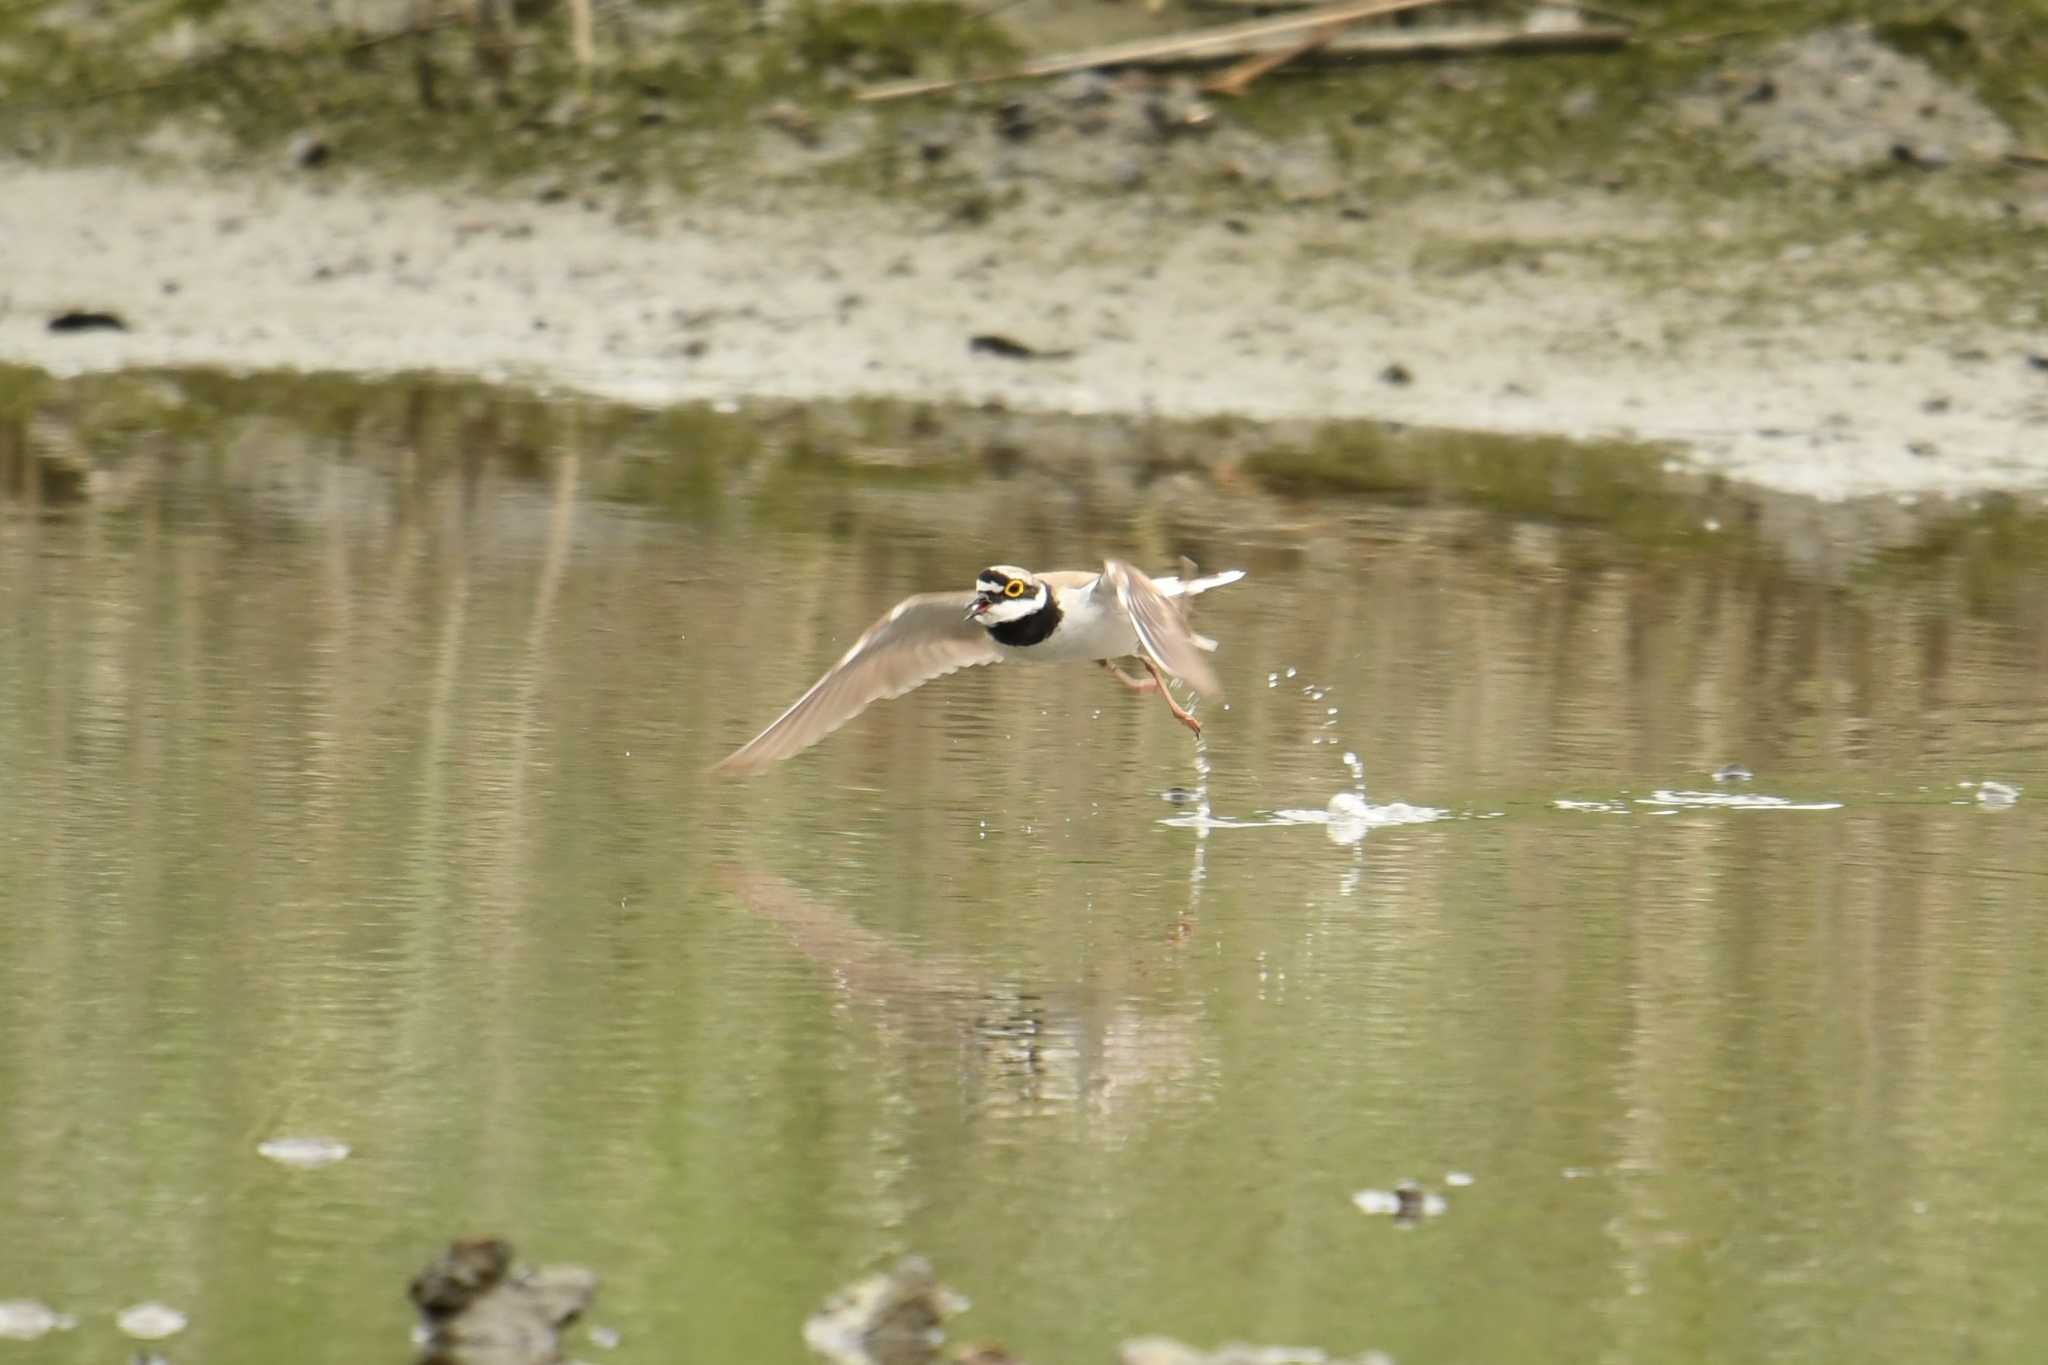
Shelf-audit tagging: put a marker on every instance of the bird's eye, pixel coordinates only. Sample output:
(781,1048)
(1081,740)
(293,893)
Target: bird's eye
(1014,588)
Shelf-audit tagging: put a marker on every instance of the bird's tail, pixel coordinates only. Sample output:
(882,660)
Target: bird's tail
(1188,587)
(1214,580)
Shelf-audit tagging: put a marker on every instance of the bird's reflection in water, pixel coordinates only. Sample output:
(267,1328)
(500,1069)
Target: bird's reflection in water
(1024,1054)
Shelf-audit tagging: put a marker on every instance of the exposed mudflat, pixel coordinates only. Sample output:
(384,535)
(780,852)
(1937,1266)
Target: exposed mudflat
(1886,388)
(1876,335)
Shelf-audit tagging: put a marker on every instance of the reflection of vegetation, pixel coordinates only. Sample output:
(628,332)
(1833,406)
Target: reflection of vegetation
(804,468)
(1615,484)
(1998,550)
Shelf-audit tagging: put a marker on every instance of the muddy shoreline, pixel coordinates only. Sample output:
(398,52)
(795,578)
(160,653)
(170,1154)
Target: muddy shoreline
(1161,315)
(1814,274)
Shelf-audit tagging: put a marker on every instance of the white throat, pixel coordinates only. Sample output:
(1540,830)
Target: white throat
(1008,609)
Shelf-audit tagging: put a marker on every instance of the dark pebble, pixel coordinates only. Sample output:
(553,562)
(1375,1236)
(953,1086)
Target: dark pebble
(82,321)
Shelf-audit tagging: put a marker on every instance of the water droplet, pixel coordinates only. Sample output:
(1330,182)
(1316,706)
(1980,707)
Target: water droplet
(1732,772)
(1290,672)
(1457,1179)
(605,1338)
(1996,795)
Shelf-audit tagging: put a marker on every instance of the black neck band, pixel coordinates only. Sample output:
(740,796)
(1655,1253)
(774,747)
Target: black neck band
(1029,630)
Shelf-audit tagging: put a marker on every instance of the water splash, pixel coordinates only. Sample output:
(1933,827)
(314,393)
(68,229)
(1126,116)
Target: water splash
(1351,761)
(1348,818)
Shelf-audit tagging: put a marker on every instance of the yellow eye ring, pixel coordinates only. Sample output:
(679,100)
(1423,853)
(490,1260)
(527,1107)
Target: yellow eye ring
(1014,588)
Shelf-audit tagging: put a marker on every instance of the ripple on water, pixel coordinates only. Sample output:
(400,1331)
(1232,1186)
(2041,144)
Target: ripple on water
(1731,801)
(1664,801)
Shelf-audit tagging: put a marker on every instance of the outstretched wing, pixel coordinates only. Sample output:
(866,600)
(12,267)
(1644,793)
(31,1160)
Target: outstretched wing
(1162,631)
(922,637)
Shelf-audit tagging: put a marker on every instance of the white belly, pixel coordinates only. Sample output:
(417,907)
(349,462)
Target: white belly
(1092,626)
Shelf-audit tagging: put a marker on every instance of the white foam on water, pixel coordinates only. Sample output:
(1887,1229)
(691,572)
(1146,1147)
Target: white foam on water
(1731,801)
(1665,801)
(306,1153)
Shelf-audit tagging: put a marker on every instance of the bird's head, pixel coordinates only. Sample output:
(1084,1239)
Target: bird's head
(1005,593)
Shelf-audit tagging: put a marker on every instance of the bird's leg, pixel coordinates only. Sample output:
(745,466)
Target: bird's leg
(1183,717)
(1139,685)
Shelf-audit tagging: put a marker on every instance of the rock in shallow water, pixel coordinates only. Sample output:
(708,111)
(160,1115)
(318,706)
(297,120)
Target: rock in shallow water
(150,1321)
(27,1320)
(893,1318)
(477,1310)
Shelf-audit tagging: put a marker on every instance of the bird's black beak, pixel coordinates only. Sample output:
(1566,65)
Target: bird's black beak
(981,603)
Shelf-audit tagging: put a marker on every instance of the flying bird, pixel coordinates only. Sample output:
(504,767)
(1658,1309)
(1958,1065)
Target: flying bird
(1013,615)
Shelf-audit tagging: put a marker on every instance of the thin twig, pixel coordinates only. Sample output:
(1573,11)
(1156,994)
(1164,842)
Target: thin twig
(581,40)
(1239,78)
(1183,45)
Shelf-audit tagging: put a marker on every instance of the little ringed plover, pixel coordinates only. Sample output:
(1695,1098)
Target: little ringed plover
(1013,615)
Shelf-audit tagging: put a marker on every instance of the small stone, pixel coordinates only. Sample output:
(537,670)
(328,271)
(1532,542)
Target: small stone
(307,151)
(1082,88)
(27,1320)
(150,1321)
(1397,374)
(87,320)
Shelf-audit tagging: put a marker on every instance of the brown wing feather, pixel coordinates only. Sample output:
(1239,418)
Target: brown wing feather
(922,637)
(1162,631)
